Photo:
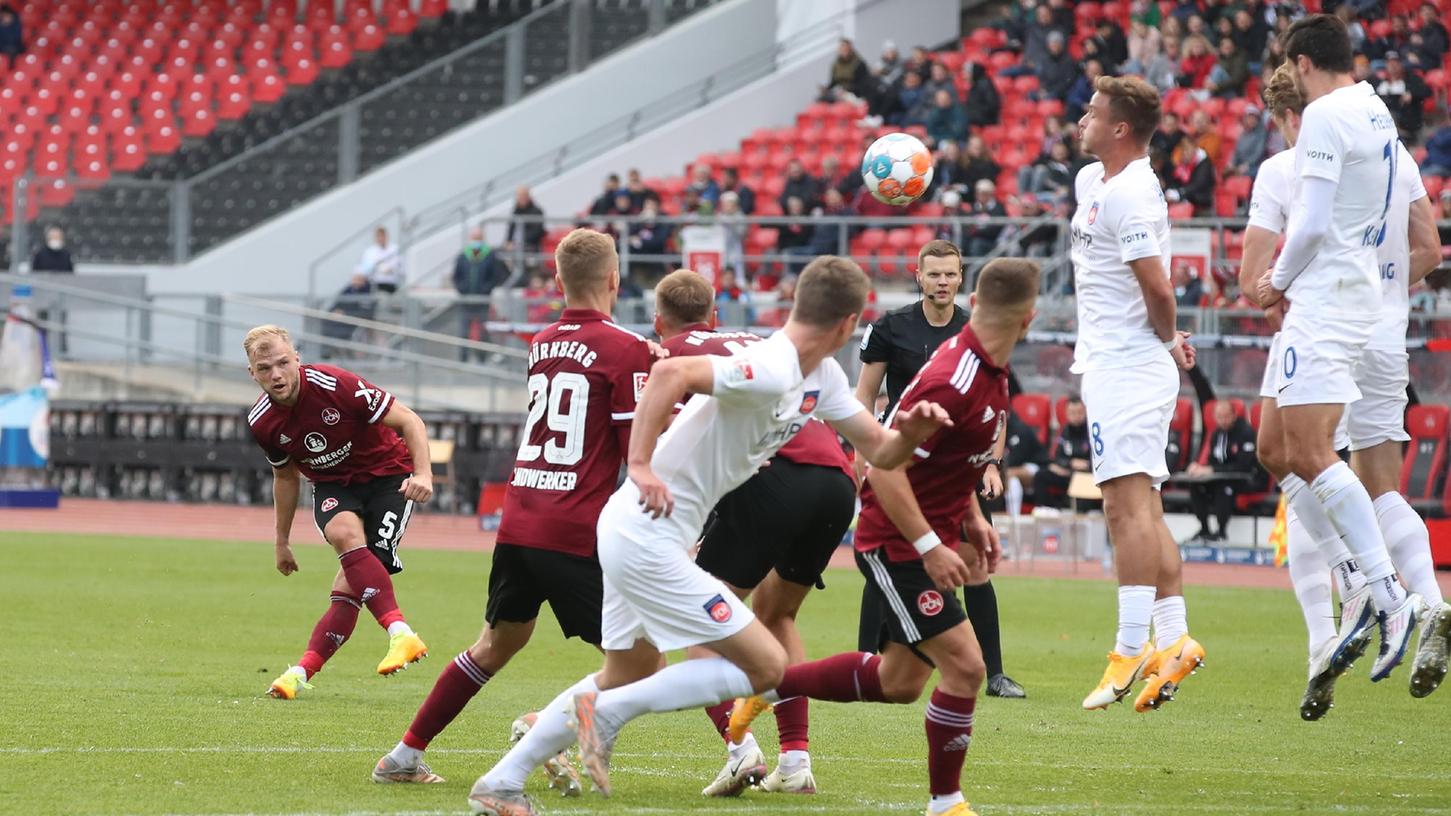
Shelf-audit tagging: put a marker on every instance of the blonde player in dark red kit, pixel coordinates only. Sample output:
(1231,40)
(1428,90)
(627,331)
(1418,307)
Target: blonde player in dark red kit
(366,455)
(906,534)
(768,539)
(585,374)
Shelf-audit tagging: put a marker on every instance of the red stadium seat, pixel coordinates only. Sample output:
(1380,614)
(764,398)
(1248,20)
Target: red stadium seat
(1032,409)
(432,9)
(1210,426)
(128,152)
(401,22)
(1181,431)
(369,38)
(1425,461)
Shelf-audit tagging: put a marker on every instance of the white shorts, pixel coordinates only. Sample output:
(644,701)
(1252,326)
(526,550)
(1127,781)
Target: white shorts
(1380,413)
(1270,383)
(1317,359)
(652,589)
(1129,411)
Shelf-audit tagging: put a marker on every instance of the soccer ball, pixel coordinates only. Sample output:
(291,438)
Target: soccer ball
(897,169)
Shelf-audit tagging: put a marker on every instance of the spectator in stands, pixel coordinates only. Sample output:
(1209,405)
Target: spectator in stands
(939,80)
(977,164)
(849,75)
(984,105)
(704,184)
(525,234)
(911,102)
(1230,73)
(982,236)
(477,271)
(635,186)
(606,200)
(1198,61)
(947,121)
(782,297)
(890,68)
(1438,147)
(1082,90)
(1036,240)
(1113,48)
(793,235)
(1039,31)
(1231,450)
(12,39)
(1399,38)
(648,237)
(1202,134)
(827,237)
(1163,70)
(1192,180)
(732,220)
(1058,70)
(1435,40)
(1023,457)
(1405,94)
(542,298)
(382,263)
(920,63)
(1072,453)
(1052,175)
(1346,13)
(692,207)
(1144,44)
(1164,144)
(799,183)
(1146,12)
(733,301)
(730,182)
(1184,9)
(1249,148)
(355,301)
(53,257)
(1188,288)
(1250,34)
(946,172)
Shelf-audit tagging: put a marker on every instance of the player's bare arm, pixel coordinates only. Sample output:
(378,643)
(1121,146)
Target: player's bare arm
(419,486)
(1159,298)
(286,485)
(983,536)
(992,477)
(892,447)
(894,491)
(868,386)
(1425,242)
(1259,250)
(1310,221)
(670,380)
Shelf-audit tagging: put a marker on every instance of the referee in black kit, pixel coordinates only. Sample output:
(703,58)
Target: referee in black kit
(894,348)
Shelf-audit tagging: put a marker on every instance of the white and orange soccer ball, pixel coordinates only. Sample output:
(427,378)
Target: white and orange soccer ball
(897,169)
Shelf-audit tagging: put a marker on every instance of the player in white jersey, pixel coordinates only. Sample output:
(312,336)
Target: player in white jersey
(656,598)
(1130,353)
(1328,270)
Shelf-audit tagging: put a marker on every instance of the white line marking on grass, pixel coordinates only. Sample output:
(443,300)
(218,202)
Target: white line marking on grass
(742,806)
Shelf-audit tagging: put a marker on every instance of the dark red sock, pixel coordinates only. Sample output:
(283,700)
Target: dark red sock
(949,733)
(720,717)
(460,681)
(370,581)
(845,678)
(332,630)
(791,719)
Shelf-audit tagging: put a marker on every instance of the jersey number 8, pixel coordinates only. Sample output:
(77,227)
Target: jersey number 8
(546,397)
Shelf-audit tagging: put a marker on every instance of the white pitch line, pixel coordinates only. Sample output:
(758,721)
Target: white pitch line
(751,807)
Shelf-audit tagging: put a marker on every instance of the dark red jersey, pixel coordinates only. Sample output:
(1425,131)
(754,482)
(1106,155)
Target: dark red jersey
(947,468)
(585,375)
(334,432)
(816,444)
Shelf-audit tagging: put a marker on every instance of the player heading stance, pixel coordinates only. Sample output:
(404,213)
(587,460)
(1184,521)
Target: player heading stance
(366,455)
(769,539)
(655,598)
(1328,269)
(907,514)
(585,373)
(1129,354)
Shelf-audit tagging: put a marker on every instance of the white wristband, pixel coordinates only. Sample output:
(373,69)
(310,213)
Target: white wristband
(1173,344)
(926,542)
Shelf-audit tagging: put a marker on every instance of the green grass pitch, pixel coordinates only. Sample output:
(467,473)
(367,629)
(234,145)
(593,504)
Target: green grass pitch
(137,666)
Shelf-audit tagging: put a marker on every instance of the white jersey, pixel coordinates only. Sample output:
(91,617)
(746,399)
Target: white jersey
(1348,137)
(1120,220)
(760,402)
(1274,192)
(1394,256)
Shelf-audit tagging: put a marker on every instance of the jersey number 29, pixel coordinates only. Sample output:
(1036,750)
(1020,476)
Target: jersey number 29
(548,398)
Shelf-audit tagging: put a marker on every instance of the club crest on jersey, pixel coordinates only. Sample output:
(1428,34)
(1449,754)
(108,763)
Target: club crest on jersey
(329,504)
(929,602)
(315,442)
(330,416)
(739,372)
(641,377)
(808,401)
(719,610)
(1093,213)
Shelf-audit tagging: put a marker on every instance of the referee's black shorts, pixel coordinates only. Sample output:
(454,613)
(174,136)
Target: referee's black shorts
(789,517)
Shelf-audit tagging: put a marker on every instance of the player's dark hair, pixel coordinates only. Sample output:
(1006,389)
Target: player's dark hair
(829,289)
(938,249)
(684,297)
(1324,39)
(1073,399)
(1007,287)
(1132,101)
(585,259)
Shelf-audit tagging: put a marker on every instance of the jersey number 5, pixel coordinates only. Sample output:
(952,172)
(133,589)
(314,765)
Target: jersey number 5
(548,398)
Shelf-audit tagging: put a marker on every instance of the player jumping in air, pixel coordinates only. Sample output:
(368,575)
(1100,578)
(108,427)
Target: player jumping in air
(366,455)
(656,599)
(769,539)
(1129,354)
(1329,271)
(585,374)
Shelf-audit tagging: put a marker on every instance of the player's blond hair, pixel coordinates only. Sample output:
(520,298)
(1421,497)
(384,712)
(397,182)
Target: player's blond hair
(829,289)
(585,259)
(1281,94)
(938,248)
(1132,101)
(684,297)
(1007,289)
(264,336)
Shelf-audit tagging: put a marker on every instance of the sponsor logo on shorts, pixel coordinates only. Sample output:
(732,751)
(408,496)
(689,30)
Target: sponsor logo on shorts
(330,416)
(929,602)
(808,401)
(719,610)
(329,504)
(315,442)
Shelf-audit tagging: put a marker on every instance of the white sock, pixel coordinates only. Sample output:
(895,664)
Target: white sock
(742,748)
(1409,545)
(1322,533)
(944,803)
(1135,611)
(1350,510)
(404,755)
(397,628)
(689,684)
(792,761)
(1311,579)
(1171,621)
(550,735)
(299,671)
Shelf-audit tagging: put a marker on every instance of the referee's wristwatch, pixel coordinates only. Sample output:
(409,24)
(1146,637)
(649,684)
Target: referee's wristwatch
(997,463)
